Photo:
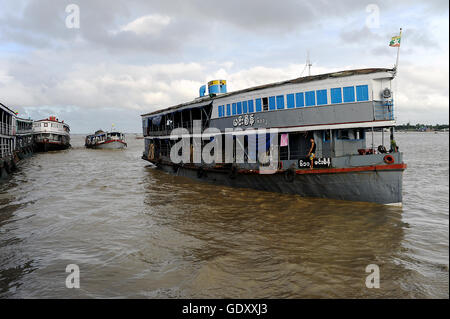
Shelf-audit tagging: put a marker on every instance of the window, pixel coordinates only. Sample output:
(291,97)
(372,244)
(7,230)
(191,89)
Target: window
(310,98)
(265,102)
(272,102)
(250,106)
(299,100)
(228,110)
(45,124)
(336,95)
(221,111)
(234,108)
(280,102)
(244,107)
(290,101)
(321,97)
(351,134)
(239,107)
(362,93)
(258,105)
(349,94)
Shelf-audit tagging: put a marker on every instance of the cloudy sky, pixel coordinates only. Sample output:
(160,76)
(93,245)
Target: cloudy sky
(132,57)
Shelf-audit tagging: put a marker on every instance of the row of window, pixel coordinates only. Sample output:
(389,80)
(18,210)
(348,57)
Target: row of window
(346,94)
(46,125)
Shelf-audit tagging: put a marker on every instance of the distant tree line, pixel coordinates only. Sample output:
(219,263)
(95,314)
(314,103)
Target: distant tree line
(421,127)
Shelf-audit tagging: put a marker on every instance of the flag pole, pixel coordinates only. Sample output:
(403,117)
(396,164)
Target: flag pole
(398,49)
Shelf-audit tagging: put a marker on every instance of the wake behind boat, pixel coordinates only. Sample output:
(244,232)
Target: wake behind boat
(105,140)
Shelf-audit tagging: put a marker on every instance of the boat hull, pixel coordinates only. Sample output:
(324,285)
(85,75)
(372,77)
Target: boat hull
(382,186)
(50,146)
(109,145)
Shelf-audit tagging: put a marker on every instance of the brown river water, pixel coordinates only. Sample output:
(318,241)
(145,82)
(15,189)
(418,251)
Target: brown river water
(136,232)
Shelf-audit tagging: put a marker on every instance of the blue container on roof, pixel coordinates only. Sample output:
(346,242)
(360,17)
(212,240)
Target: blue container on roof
(202,90)
(217,87)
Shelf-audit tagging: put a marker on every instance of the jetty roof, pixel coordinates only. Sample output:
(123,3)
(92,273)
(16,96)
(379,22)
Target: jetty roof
(7,108)
(303,79)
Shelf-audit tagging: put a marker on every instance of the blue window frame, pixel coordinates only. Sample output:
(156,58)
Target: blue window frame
(250,106)
(336,95)
(272,103)
(280,102)
(349,94)
(258,105)
(228,110)
(362,93)
(239,107)
(290,101)
(234,108)
(244,107)
(321,97)
(310,98)
(299,100)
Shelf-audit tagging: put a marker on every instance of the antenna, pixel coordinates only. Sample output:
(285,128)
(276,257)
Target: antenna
(308,63)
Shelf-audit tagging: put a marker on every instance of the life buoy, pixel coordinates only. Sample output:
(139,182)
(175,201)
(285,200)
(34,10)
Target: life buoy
(389,159)
(289,175)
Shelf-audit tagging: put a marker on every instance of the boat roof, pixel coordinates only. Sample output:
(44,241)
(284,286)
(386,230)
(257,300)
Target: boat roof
(23,119)
(304,79)
(7,108)
(50,120)
(101,132)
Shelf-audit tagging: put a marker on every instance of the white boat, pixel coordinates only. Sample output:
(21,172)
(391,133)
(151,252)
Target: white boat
(51,134)
(105,140)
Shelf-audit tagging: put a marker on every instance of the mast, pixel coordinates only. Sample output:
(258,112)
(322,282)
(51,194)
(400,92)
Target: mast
(308,63)
(398,50)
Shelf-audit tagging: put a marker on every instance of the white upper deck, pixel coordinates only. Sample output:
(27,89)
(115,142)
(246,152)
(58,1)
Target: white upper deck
(51,125)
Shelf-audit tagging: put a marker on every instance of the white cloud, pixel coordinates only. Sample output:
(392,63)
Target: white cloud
(147,25)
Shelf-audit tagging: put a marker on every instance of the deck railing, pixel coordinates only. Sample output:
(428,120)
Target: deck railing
(383,110)
(5,150)
(166,130)
(5,129)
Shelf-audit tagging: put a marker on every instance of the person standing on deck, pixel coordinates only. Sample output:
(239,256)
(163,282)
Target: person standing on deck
(312,152)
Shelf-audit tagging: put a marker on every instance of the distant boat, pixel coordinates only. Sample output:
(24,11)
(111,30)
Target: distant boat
(105,140)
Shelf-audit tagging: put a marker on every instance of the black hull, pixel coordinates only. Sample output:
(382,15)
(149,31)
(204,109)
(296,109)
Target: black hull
(46,147)
(381,187)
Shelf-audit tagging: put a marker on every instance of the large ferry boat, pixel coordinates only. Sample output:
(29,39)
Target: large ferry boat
(51,134)
(105,140)
(316,133)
